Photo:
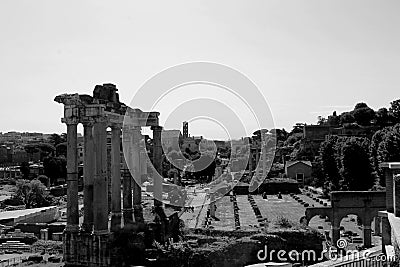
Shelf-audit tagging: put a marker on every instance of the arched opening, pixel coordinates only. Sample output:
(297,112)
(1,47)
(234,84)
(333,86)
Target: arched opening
(321,223)
(351,230)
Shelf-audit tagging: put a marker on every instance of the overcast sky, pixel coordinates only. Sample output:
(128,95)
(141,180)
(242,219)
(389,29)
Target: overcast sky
(308,58)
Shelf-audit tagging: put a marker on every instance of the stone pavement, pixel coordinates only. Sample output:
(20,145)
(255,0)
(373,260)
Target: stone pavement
(193,219)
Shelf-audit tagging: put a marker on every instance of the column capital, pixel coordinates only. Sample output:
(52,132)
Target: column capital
(70,120)
(87,121)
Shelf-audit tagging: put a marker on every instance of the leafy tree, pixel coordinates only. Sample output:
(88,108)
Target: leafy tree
(329,165)
(61,149)
(43,148)
(385,147)
(356,171)
(44,180)
(298,128)
(293,138)
(32,193)
(322,120)
(360,105)
(363,114)
(56,139)
(347,117)
(55,167)
(382,117)
(24,168)
(317,174)
(395,109)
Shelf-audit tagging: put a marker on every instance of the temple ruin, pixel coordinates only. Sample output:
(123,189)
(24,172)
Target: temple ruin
(88,243)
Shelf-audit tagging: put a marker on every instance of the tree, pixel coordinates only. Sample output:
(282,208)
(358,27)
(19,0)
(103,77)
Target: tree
(61,149)
(382,117)
(346,117)
(32,193)
(55,167)
(329,166)
(293,138)
(346,164)
(321,120)
(56,139)
(44,180)
(360,105)
(377,138)
(356,171)
(363,114)
(385,147)
(43,148)
(25,170)
(395,109)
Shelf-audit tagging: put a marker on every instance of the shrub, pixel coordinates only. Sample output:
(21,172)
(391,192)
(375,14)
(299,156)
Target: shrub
(284,222)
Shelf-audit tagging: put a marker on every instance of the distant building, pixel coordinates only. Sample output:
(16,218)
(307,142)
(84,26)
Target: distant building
(298,170)
(314,135)
(185,129)
(19,156)
(170,140)
(190,144)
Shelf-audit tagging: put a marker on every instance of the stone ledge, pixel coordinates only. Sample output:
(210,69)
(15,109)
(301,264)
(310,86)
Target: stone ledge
(395,225)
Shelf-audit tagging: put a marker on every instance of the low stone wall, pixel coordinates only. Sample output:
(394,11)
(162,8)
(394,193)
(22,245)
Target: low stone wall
(82,249)
(36,227)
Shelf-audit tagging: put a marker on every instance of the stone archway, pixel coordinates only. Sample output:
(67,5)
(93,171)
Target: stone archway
(364,204)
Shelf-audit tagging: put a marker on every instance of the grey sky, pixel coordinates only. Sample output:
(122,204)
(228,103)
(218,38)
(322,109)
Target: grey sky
(307,57)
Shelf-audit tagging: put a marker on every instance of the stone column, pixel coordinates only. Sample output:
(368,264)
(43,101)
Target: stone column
(335,234)
(88,176)
(100,194)
(377,226)
(137,190)
(264,154)
(389,186)
(257,163)
(396,195)
(212,205)
(143,160)
(115,178)
(386,230)
(127,177)
(335,230)
(367,235)
(157,162)
(250,161)
(160,217)
(72,177)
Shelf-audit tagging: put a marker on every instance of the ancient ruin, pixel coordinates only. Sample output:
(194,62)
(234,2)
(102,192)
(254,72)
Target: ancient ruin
(89,243)
(364,204)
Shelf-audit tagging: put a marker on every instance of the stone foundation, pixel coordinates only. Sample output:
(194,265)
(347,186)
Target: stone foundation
(85,249)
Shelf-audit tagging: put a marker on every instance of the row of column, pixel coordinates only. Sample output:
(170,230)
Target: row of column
(95,175)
